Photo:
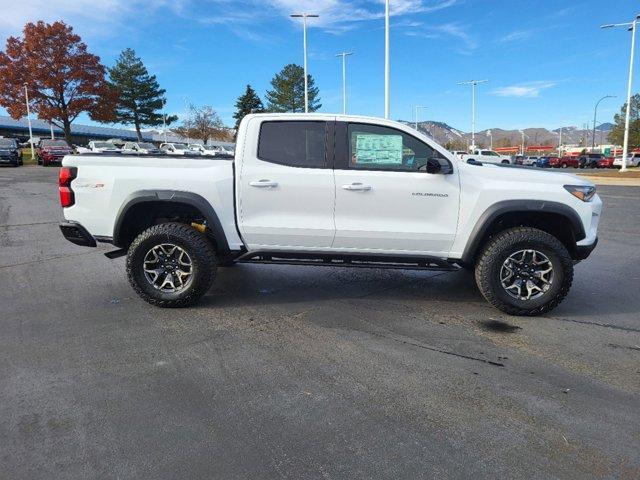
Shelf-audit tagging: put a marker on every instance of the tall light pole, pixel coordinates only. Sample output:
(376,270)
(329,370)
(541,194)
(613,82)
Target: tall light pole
(415,114)
(304,17)
(522,148)
(26,100)
(387,80)
(560,143)
(595,113)
(632,28)
(490,139)
(344,56)
(473,84)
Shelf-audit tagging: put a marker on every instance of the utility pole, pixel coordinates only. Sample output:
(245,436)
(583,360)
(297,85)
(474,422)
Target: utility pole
(304,17)
(631,26)
(415,114)
(473,84)
(387,81)
(344,56)
(26,99)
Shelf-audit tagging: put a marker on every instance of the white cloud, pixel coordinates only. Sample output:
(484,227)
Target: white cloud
(452,29)
(516,35)
(530,89)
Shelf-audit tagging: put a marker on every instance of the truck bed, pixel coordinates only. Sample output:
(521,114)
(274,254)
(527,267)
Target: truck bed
(106,183)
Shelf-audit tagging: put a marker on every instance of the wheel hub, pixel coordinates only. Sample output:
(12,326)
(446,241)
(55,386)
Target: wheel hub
(527,274)
(168,268)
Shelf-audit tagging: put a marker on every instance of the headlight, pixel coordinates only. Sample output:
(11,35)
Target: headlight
(582,192)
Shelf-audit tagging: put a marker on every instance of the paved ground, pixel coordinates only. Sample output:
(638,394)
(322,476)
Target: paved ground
(302,372)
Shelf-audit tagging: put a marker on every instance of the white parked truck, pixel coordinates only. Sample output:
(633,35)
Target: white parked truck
(331,190)
(486,156)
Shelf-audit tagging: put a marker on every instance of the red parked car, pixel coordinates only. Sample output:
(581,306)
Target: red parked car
(564,162)
(605,162)
(52,151)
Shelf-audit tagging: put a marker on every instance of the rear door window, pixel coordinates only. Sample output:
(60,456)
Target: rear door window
(295,144)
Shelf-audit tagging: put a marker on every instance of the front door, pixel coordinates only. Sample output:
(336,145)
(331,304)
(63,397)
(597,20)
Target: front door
(386,202)
(286,192)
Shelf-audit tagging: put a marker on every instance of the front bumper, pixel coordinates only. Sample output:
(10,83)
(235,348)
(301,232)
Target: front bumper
(76,233)
(583,251)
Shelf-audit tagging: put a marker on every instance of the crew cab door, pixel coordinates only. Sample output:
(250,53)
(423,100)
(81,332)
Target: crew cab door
(286,190)
(386,202)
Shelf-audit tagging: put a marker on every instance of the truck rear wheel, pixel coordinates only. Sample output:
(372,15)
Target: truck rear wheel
(524,271)
(171,265)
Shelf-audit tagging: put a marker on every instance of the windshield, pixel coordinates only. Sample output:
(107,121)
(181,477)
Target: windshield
(7,143)
(180,147)
(147,146)
(104,145)
(54,143)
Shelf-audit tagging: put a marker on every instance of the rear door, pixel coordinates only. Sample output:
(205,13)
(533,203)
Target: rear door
(286,190)
(386,202)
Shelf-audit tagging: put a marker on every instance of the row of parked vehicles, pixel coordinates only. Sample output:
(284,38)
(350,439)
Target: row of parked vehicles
(588,160)
(50,151)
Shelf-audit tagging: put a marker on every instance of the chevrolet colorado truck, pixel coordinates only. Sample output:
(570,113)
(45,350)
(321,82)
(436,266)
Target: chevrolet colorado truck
(331,190)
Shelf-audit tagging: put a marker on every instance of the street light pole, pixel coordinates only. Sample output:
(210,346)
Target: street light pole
(490,139)
(387,80)
(304,17)
(344,56)
(415,114)
(632,29)
(560,143)
(473,84)
(595,113)
(26,99)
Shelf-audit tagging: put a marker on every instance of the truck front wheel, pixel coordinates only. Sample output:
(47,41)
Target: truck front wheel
(524,271)
(171,265)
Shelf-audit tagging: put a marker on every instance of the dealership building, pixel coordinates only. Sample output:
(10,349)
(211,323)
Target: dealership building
(83,134)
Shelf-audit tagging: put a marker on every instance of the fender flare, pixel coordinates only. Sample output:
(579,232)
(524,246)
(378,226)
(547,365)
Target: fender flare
(171,196)
(523,206)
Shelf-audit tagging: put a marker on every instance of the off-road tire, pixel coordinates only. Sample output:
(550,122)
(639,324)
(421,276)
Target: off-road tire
(500,247)
(197,246)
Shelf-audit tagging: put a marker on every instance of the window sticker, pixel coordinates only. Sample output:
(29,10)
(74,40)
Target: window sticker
(372,148)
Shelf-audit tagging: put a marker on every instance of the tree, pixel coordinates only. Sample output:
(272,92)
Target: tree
(616,136)
(140,98)
(288,91)
(203,123)
(247,103)
(63,79)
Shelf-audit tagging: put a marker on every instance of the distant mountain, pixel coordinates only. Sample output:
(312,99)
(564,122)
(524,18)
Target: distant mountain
(456,139)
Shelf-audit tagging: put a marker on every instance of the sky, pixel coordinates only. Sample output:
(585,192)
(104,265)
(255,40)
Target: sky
(547,61)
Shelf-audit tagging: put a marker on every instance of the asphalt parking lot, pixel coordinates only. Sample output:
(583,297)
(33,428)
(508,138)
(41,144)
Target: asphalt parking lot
(303,372)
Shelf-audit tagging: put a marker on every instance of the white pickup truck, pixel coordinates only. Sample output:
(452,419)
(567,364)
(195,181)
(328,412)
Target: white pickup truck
(332,190)
(486,156)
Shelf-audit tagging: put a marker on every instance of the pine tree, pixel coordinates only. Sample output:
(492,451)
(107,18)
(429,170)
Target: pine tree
(140,97)
(247,103)
(288,91)
(616,135)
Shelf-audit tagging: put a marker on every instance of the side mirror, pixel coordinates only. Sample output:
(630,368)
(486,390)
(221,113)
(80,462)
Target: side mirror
(433,166)
(439,166)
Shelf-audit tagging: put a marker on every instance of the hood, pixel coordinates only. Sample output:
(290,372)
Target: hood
(517,174)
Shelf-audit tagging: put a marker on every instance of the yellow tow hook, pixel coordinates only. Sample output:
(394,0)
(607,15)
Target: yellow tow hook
(199,227)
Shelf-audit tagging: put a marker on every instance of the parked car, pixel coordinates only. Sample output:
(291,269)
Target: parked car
(365,195)
(10,153)
(529,161)
(543,162)
(103,147)
(563,162)
(606,162)
(141,148)
(518,159)
(51,151)
(589,160)
(486,156)
(177,149)
(633,160)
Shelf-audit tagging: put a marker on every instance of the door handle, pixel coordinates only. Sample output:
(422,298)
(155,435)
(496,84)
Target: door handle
(264,183)
(357,187)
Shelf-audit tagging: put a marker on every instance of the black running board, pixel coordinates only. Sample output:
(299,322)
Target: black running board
(347,260)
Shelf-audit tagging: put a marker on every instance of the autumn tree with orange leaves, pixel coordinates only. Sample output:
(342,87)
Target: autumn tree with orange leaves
(62,78)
